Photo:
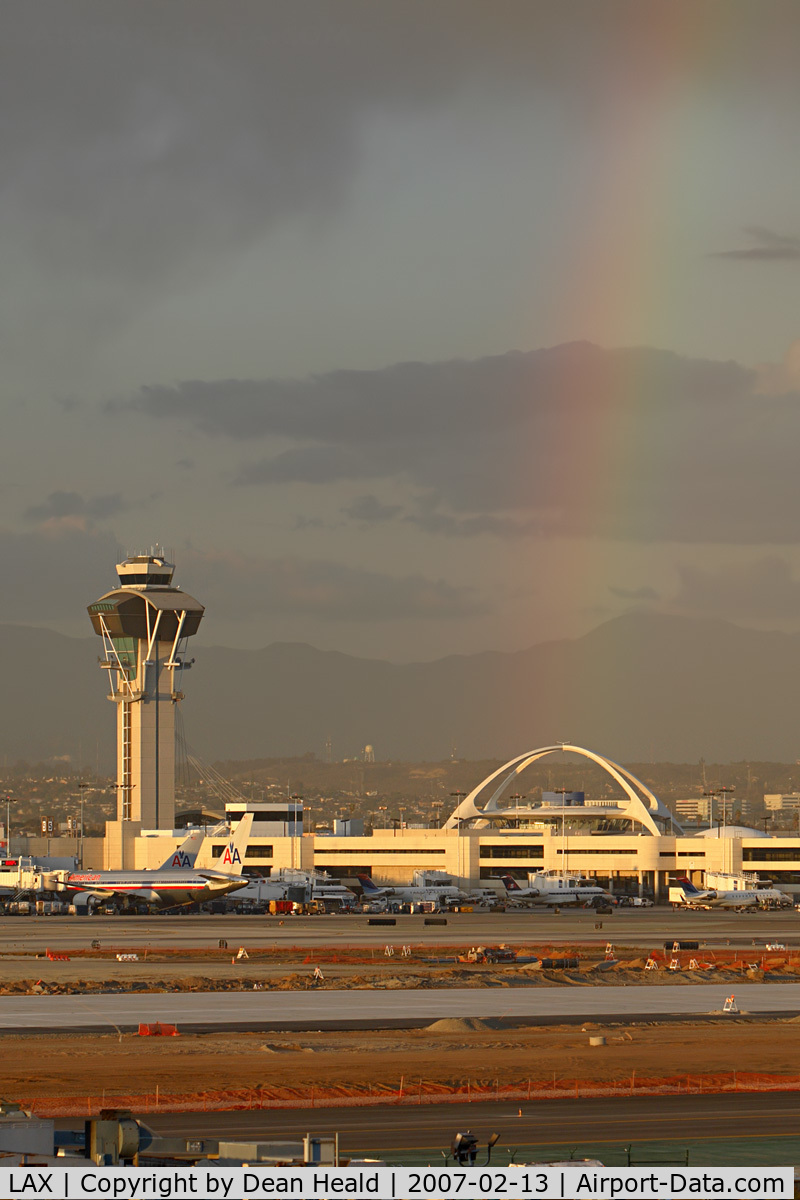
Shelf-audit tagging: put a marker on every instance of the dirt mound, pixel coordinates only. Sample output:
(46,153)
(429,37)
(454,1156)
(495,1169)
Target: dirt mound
(285,1048)
(460,1025)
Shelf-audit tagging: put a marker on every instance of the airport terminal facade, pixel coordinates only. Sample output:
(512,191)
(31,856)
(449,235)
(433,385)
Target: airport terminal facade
(482,841)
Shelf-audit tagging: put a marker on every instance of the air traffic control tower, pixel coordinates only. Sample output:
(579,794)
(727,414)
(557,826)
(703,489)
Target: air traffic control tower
(144,624)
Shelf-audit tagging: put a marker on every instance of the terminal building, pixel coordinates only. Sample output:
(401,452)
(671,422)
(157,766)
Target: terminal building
(631,844)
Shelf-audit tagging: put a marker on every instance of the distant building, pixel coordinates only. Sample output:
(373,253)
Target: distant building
(782,802)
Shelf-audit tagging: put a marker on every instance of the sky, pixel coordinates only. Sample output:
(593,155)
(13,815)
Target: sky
(411,328)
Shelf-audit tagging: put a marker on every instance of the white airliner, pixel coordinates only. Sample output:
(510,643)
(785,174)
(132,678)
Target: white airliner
(178,881)
(438,893)
(553,889)
(687,893)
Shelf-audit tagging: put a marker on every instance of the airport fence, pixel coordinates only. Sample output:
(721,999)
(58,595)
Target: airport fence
(411,1092)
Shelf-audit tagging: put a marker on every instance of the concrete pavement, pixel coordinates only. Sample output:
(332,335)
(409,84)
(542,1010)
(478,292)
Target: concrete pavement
(374,1008)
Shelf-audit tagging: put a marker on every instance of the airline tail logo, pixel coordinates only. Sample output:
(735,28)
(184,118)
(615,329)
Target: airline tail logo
(231,855)
(688,886)
(510,884)
(180,859)
(367,883)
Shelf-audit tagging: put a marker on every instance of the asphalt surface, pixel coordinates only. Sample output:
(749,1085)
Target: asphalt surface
(561,1122)
(626,926)
(207,1011)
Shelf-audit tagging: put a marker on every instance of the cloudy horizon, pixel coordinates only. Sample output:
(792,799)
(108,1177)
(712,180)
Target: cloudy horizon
(411,329)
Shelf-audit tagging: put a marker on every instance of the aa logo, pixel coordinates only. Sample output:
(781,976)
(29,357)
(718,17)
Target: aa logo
(231,855)
(180,859)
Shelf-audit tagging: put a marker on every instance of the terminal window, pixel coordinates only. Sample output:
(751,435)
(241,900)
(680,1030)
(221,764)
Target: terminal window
(418,853)
(756,854)
(611,853)
(512,851)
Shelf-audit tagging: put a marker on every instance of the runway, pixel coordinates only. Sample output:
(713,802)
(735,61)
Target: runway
(564,1122)
(264,1010)
(626,926)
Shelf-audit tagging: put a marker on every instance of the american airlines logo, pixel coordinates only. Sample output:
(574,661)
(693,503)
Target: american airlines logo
(231,854)
(180,859)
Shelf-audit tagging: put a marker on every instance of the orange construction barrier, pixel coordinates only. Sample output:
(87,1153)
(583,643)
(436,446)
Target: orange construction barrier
(158,1030)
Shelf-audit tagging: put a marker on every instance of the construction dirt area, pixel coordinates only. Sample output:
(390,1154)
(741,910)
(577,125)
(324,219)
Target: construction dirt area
(455,1053)
(132,969)
(195,1070)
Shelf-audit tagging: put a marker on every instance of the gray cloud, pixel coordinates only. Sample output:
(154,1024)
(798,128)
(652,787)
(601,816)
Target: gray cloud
(328,590)
(766,590)
(154,135)
(640,594)
(150,138)
(371,510)
(308,464)
(73,504)
(57,571)
(770,247)
(61,567)
(634,444)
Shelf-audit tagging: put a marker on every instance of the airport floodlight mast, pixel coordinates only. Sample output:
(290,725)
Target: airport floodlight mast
(145,624)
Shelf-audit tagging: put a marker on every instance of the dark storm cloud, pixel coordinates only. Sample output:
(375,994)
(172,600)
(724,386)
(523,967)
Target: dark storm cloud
(766,590)
(153,135)
(770,247)
(73,504)
(148,136)
(328,590)
(635,444)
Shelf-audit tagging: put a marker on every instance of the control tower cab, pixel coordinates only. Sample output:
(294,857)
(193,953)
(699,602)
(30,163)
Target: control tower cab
(145,624)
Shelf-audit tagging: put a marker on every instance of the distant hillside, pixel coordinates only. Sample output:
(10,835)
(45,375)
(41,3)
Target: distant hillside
(640,687)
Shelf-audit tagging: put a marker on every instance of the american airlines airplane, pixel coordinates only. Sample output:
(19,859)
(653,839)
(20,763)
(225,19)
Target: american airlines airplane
(178,881)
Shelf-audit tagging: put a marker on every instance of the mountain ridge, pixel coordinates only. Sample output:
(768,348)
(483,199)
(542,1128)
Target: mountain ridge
(639,686)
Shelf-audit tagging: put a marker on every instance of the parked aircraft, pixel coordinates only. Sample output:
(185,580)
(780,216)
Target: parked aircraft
(553,889)
(171,884)
(290,883)
(439,893)
(686,893)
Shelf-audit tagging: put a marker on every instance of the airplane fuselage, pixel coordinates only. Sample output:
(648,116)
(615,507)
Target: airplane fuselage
(735,899)
(164,888)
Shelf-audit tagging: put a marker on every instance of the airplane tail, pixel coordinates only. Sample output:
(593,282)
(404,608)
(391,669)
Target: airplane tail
(231,861)
(510,884)
(185,855)
(688,887)
(368,886)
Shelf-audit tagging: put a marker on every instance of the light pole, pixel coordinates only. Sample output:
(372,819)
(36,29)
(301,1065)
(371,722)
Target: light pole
(516,797)
(458,797)
(9,802)
(81,788)
(563,792)
(297,798)
(724,792)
